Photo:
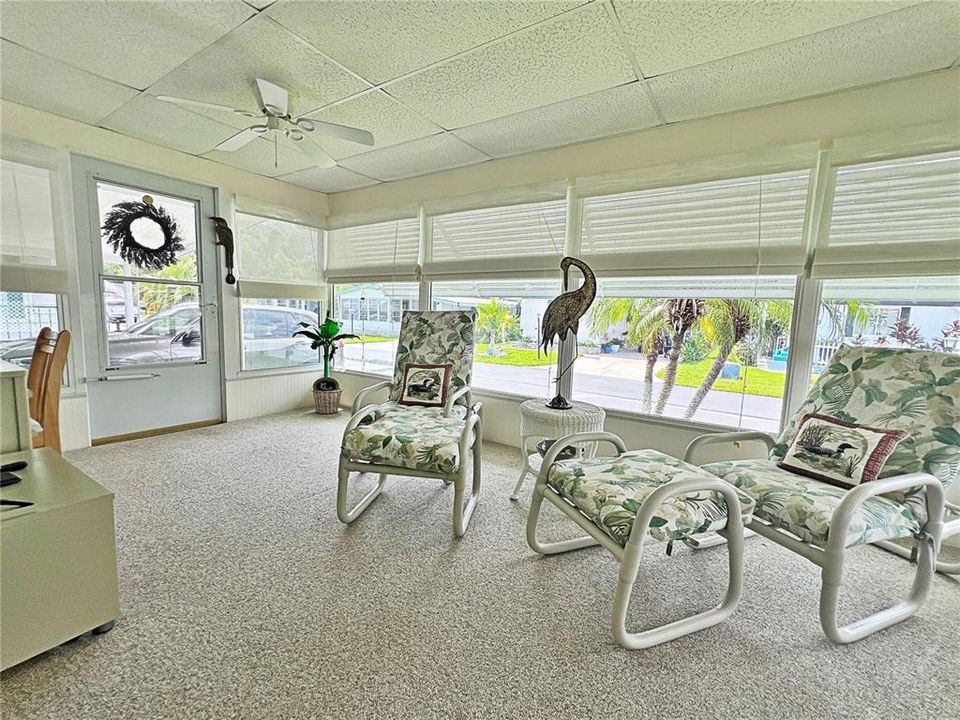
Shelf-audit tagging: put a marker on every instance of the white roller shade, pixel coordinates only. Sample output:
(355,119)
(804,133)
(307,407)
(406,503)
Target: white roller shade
(278,258)
(894,217)
(718,227)
(381,251)
(508,240)
(28,237)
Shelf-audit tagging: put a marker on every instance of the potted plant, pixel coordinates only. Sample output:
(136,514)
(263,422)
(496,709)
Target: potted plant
(326,390)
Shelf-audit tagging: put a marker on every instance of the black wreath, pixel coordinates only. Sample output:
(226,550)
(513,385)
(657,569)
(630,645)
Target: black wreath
(118,236)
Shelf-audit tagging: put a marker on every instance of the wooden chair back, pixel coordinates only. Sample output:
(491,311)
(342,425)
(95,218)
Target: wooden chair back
(43,383)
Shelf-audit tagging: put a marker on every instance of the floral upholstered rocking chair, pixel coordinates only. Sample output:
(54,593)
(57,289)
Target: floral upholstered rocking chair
(429,425)
(907,401)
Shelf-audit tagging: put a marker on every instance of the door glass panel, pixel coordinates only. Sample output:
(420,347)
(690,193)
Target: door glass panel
(150,322)
(183,212)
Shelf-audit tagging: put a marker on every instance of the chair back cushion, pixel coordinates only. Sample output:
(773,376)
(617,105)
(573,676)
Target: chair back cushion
(435,337)
(917,391)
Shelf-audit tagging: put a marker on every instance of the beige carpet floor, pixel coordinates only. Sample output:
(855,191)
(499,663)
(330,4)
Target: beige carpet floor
(243,597)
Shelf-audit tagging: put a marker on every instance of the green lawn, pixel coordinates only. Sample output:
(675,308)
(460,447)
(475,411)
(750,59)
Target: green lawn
(369,339)
(758,382)
(522,357)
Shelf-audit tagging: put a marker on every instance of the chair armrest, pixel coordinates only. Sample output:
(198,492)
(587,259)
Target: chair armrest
(453,397)
(717,438)
(358,400)
(575,439)
(854,498)
(474,417)
(370,411)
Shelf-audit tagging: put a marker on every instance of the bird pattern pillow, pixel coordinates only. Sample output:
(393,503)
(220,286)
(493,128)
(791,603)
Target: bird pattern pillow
(839,452)
(425,384)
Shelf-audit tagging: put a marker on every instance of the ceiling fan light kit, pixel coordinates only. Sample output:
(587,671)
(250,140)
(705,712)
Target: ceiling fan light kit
(275,119)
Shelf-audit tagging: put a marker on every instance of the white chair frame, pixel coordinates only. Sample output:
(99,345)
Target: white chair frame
(471,442)
(832,559)
(629,556)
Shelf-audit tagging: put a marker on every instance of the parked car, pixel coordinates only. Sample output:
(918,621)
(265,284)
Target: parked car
(151,338)
(267,340)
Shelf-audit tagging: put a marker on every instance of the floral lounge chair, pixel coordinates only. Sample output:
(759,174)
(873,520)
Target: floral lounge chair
(627,499)
(429,442)
(915,391)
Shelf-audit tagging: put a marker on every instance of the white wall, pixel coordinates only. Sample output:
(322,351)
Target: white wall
(27,132)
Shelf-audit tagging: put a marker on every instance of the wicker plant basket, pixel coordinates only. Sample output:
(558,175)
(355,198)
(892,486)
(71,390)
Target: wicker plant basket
(327,401)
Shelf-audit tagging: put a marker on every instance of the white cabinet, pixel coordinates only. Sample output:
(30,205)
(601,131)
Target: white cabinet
(14,409)
(58,558)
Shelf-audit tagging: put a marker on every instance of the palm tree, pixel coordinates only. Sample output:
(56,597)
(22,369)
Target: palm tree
(681,315)
(725,323)
(647,328)
(496,319)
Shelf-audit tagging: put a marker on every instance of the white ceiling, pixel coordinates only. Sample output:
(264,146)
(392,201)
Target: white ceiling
(446,83)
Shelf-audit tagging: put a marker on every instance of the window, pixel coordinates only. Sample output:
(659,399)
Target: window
(707,349)
(22,316)
(527,237)
(280,283)
(268,327)
(734,226)
(893,218)
(892,312)
(27,234)
(372,311)
(278,251)
(509,314)
(380,250)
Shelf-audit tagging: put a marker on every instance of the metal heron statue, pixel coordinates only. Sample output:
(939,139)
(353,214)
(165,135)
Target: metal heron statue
(563,317)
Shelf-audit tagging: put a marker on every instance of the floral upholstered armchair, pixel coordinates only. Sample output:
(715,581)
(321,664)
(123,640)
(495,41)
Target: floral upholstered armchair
(398,438)
(914,394)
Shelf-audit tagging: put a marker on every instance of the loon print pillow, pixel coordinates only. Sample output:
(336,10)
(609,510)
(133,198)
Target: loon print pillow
(425,384)
(839,452)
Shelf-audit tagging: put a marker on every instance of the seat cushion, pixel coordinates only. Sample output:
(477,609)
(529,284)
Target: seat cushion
(390,407)
(610,490)
(803,506)
(409,437)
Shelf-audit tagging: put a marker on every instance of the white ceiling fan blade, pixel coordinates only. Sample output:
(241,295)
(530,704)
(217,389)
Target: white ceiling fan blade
(238,141)
(313,151)
(201,104)
(344,132)
(272,97)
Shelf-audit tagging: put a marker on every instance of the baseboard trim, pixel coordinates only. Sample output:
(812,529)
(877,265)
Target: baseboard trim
(154,432)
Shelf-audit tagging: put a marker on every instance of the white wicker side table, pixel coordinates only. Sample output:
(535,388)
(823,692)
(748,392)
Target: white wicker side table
(538,422)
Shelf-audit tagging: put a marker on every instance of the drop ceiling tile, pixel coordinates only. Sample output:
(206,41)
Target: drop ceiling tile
(226,72)
(40,82)
(911,41)
(328,180)
(384,40)
(430,154)
(135,43)
(258,157)
(389,121)
(572,55)
(168,125)
(607,112)
(666,35)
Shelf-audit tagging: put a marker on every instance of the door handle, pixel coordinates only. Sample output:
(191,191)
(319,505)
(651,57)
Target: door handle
(111,378)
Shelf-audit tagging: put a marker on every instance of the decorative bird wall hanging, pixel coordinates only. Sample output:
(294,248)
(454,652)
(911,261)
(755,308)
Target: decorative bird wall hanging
(225,238)
(562,317)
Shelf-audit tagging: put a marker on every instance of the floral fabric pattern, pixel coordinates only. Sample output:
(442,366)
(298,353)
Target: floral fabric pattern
(411,437)
(804,506)
(610,491)
(917,391)
(436,337)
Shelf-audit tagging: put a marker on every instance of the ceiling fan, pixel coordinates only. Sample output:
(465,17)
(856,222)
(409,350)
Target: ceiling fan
(275,120)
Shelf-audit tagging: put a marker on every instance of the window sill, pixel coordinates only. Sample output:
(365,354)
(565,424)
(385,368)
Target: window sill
(626,415)
(276,372)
